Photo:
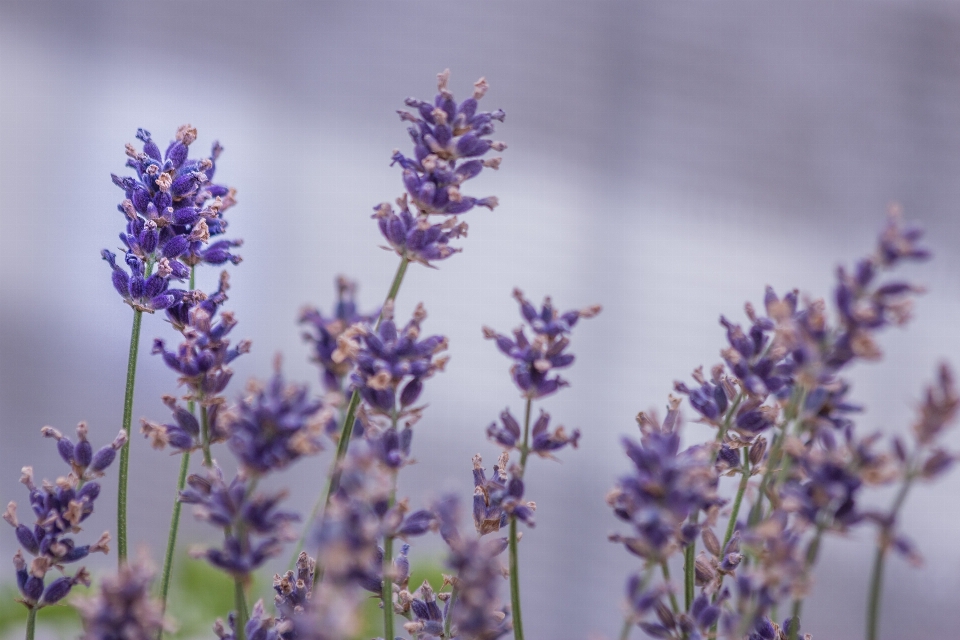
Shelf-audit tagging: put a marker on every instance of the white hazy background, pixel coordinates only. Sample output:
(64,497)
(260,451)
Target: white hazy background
(667,160)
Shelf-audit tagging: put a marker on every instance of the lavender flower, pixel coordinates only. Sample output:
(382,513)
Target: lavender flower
(391,358)
(325,331)
(536,360)
(475,612)
(275,425)
(85,464)
(445,134)
(202,361)
(544,442)
(666,486)
(60,508)
(254,527)
(498,497)
(124,607)
(170,216)
(414,237)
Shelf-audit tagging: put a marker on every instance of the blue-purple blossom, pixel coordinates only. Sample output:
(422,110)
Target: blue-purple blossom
(254,526)
(392,362)
(665,486)
(537,359)
(124,607)
(449,141)
(477,613)
(172,209)
(275,424)
(293,592)
(325,331)
(498,497)
(415,237)
(543,441)
(260,625)
(84,462)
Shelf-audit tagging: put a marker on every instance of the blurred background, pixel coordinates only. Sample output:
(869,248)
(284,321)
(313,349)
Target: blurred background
(667,160)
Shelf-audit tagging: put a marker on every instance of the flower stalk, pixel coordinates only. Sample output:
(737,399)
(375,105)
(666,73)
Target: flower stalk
(125,450)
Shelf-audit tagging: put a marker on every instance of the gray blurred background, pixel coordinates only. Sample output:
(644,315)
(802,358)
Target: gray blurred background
(665,159)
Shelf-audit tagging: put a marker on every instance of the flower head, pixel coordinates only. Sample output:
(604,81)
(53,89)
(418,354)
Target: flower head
(123,608)
(254,526)
(325,331)
(449,140)
(275,425)
(537,359)
(172,209)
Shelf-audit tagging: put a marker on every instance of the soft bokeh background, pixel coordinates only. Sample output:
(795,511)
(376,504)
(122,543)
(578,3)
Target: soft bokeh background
(666,159)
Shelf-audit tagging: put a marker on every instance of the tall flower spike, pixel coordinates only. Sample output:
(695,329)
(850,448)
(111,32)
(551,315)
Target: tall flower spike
(276,424)
(449,142)
(123,608)
(172,209)
(254,527)
(325,331)
(536,359)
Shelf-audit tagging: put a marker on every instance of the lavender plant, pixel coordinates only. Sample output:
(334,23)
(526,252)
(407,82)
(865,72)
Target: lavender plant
(785,431)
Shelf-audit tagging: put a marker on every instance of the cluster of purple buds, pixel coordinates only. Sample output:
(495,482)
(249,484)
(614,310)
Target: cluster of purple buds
(293,592)
(543,441)
(477,612)
(276,424)
(172,210)
(325,331)
(537,359)
(498,497)
(694,624)
(260,626)
(124,607)
(84,463)
(449,141)
(445,134)
(665,487)
(416,238)
(254,527)
(392,363)
(59,508)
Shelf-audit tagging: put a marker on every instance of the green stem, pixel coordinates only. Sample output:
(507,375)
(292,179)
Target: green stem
(625,631)
(689,567)
(744,480)
(515,582)
(666,576)
(240,602)
(172,536)
(31,622)
(449,617)
(205,436)
(514,558)
(813,551)
(346,430)
(386,595)
(125,450)
(876,574)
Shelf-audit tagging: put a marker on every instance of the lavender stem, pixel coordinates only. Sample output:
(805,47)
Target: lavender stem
(172,536)
(346,431)
(689,563)
(175,518)
(205,437)
(876,574)
(240,602)
(744,480)
(31,622)
(514,558)
(666,577)
(125,450)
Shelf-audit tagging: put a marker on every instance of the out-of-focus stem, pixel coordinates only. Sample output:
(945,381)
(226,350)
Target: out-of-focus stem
(876,574)
(240,602)
(744,480)
(125,450)
(514,556)
(689,564)
(447,619)
(205,436)
(665,568)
